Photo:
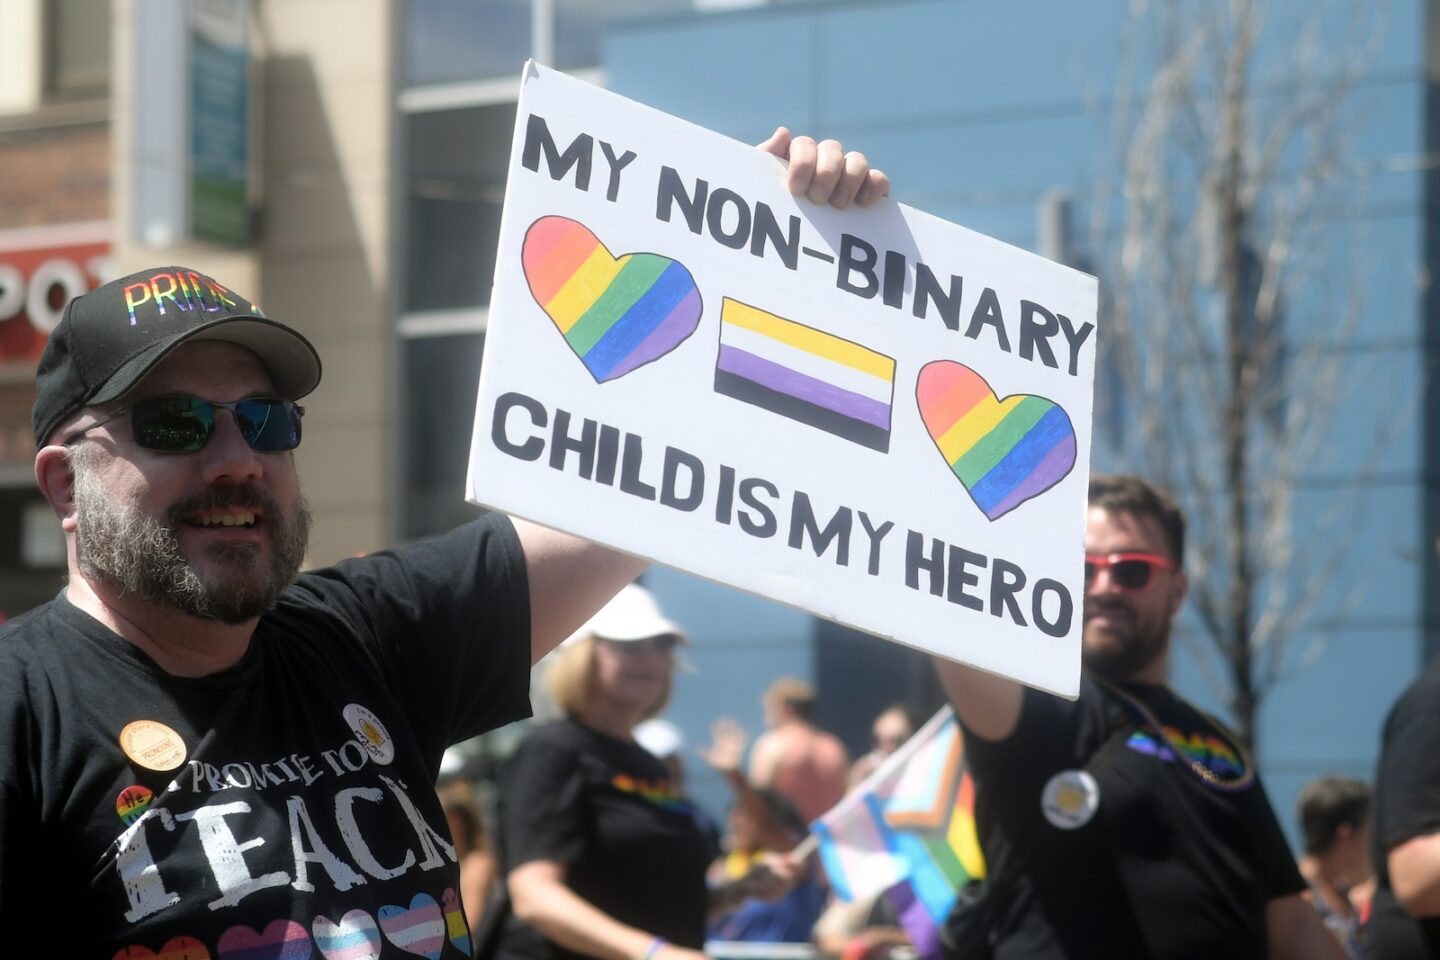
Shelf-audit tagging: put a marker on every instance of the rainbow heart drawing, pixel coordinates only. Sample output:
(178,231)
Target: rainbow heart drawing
(616,313)
(1003,451)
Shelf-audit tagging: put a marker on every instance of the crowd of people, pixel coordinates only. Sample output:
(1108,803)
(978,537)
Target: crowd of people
(599,837)
(1127,823)
(206,752)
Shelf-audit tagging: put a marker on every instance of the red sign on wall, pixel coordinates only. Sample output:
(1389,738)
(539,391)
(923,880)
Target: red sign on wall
(41,271)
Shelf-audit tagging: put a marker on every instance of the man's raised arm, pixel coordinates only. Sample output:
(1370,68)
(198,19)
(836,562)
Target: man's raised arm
(987,705)
(1414,867)
(570,578)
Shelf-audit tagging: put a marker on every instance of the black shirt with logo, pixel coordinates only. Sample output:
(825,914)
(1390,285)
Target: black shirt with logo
(283,807)
(607,810)
(1107,843)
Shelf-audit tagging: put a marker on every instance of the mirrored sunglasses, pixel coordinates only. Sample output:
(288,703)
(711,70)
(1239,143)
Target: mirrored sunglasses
(185,424)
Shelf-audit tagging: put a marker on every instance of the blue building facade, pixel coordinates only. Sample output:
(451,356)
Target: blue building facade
(982,114)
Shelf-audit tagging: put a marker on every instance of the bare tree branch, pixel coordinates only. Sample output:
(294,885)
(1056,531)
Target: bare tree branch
(1232,182)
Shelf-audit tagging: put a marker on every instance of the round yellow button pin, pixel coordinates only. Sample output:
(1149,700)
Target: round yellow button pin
(152,745)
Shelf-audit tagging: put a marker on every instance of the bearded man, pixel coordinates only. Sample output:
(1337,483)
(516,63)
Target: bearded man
(204,753)
(1126,823)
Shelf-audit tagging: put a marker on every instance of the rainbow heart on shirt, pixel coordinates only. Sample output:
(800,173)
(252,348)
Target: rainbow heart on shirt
(616,313)
(1004,452)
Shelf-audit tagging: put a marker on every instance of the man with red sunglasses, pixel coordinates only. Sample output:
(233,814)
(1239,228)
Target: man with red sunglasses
(204,753)
(1126,823)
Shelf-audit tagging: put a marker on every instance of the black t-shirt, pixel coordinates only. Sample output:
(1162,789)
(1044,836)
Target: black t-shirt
(607,810)
(1125,851)
(288,800)
(1407,805)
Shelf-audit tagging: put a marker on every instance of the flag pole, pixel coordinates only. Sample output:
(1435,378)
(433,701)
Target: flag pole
(806,847)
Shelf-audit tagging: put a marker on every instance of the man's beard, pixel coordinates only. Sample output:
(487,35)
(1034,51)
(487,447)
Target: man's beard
(116,543)
(1129,652)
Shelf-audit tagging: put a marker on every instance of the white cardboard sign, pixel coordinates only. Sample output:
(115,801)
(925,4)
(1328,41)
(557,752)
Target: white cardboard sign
(873,415)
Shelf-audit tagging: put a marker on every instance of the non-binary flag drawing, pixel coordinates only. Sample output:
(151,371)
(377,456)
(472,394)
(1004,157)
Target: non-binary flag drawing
(616,313)
(807,375)
(1003,451)
(908,831)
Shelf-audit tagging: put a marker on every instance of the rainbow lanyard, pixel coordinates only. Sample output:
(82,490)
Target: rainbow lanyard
(1206,776)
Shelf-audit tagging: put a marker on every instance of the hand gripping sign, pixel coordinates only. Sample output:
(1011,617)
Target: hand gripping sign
(871,414)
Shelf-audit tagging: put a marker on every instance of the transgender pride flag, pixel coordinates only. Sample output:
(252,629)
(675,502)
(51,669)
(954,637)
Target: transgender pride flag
(908,831)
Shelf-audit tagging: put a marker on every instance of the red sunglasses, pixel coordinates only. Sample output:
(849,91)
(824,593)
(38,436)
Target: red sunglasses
(1129,571)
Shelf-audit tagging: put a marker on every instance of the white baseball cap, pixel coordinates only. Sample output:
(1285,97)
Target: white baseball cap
(632,615)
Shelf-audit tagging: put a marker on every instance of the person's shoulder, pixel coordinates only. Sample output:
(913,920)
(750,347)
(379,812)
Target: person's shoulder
(1048,709)
(33,655)
(30,635)
(559,734)
(316,598)
(1046,718)
(1419,702)
(368,576)
(540,741)
(769,740)
(1426,686)
(1165,700)
(834,745)
(489,532)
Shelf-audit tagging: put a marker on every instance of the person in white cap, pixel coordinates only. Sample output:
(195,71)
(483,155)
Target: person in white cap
(602,852)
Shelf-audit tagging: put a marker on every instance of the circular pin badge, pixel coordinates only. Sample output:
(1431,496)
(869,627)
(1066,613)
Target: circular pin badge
(152,745)
(132,802)
(1070,799)
(371,733)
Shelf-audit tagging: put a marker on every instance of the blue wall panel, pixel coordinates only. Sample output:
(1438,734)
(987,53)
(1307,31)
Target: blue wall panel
(977,110)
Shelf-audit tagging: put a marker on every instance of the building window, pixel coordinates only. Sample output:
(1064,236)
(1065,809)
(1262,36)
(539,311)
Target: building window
(580,24)
(452,41)
(456,188)
(78,48)
(460,73)
(461,41)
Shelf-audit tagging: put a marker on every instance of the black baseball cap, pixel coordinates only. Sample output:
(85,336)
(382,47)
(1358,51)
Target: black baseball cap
(110,338)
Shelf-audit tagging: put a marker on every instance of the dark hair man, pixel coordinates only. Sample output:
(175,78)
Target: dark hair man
(1334,815)
(1126,823)
(202,753)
